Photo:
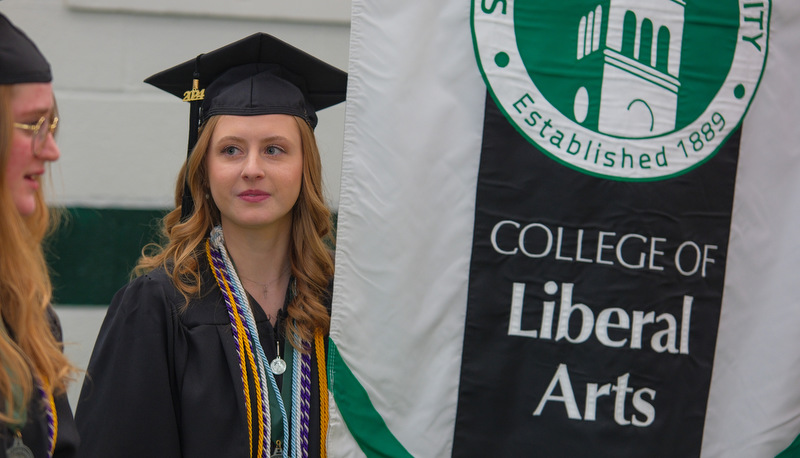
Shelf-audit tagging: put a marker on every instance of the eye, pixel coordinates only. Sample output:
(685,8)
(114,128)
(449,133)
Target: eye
(230,150)
(273,150)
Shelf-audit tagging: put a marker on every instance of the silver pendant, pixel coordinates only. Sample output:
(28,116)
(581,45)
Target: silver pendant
(18,449)
(278,366)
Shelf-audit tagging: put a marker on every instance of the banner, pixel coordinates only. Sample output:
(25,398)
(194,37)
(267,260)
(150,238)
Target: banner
(558,237)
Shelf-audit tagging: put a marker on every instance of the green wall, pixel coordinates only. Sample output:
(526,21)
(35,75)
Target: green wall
(94,250)
(92,253)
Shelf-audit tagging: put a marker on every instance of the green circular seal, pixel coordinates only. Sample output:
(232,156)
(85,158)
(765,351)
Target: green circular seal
(623,89)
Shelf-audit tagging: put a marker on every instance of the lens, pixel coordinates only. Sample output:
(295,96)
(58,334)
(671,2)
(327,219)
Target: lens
(45,127)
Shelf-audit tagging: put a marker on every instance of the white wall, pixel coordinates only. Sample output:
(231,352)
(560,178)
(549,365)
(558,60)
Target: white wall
(80,326)
(122,141)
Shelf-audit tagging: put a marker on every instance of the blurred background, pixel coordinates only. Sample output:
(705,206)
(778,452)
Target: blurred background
(122,141)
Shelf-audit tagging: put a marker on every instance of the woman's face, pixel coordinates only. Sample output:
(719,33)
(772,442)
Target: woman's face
(24,170)
(255,169)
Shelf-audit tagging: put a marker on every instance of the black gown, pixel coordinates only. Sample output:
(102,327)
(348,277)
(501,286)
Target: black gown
(164,383)
(35,435)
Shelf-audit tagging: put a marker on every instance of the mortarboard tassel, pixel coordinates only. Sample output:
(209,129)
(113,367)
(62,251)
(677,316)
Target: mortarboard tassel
(195,99)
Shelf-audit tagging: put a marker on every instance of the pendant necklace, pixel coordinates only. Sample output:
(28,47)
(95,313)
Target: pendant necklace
(278,365)
(18,449)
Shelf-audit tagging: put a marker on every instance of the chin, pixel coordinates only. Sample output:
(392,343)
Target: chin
(26,208)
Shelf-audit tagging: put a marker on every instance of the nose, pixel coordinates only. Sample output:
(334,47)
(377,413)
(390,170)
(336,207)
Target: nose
(50,150)
(253,166)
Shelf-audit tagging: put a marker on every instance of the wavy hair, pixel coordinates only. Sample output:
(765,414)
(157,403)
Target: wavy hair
(181,251)
(28,346)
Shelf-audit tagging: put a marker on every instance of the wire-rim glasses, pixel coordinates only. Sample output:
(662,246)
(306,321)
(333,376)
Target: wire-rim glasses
(39,131)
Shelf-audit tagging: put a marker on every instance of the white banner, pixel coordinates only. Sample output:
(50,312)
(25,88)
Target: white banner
(413,136)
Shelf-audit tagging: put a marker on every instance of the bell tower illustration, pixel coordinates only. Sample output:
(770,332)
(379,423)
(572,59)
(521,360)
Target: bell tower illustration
(640,66)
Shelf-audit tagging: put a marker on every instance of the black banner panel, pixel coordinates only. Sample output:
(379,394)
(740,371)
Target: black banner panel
(593,303)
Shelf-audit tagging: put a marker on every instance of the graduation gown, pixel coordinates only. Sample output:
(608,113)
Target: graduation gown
(166,383)
(35,434)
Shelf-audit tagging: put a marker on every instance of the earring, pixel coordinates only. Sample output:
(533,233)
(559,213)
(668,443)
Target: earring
(207,196)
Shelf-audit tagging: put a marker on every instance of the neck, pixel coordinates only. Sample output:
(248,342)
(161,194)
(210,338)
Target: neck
(262,263)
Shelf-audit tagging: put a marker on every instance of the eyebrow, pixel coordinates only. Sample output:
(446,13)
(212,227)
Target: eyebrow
(269,139)
(39,110)
(38,113)
(229,138)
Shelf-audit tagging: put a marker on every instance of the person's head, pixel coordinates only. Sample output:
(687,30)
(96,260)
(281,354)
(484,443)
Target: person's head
(28,348)
(27,121)
(257,75)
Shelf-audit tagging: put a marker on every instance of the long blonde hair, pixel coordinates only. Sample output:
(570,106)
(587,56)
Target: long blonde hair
(28,347)
(312,265)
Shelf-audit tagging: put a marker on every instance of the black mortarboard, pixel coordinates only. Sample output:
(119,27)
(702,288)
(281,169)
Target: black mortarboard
(20,59)
(256,75)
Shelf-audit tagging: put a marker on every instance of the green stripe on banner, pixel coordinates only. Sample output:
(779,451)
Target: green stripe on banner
(793,451)
(364,422)
(94,250)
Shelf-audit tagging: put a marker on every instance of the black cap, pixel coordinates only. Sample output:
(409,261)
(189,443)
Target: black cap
(256,75)
(20,59)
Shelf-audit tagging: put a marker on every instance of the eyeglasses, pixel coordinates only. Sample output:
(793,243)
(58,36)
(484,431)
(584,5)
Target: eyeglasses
(39,132)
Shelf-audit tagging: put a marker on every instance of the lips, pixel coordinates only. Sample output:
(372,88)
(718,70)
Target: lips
(33,178)
(253,195)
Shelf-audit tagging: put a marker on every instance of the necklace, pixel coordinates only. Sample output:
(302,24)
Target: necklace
(253,362)
(278,365)
(266,286)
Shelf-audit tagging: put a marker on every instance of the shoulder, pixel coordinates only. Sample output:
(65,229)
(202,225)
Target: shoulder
(146,306)
(154,282)
(146,292)
(155,293)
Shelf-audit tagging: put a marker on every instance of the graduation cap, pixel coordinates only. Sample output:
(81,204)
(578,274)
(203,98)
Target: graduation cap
(256,75)
(20,59)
